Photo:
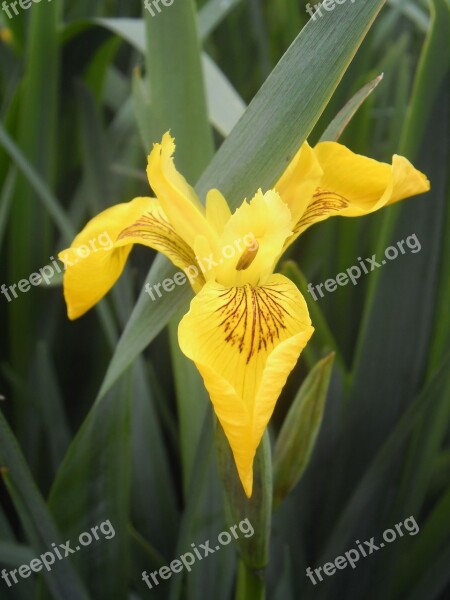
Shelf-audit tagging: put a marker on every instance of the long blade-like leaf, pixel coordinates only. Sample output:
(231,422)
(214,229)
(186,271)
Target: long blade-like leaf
(258,149)
(41,530)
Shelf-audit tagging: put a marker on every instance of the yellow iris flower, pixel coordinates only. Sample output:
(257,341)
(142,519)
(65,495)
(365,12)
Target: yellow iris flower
(246,326)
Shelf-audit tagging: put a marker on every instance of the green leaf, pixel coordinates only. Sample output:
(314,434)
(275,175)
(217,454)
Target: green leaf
(93,486)
(437,51)
(373,480)
(14,555)
(147,320)
(212,14)
(335,129)
(202,462)
(430,543)
(410,9)
(435,580)
(425,448)
(6,200)
(177,86)
(297,438)
(225,106)
(413,275)
(50,405)
(432,70)
(145,558)
(288,104)
(145,117)
(37,522)
(154,503)
(100,66)
(258,149)
(42,190)
(29,239)
(95,153)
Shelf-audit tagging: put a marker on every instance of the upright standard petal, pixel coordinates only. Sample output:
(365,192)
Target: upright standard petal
(245,341)
(178,199)
(99,252)
(255,235)
(218,212)
(353,185)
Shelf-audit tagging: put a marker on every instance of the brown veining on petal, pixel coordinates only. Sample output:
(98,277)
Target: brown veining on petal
(253,318)
(159,232)
(323,203)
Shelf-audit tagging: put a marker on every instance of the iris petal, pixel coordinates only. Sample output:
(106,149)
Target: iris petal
(300,180)
(90,275)
(261,225)
(353,185)
(217,210)
(178,199)
(245,341)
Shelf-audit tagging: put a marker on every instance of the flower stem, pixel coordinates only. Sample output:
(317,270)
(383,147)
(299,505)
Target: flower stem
(255,512)
(250,583)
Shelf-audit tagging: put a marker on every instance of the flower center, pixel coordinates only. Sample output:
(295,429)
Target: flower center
(248,256)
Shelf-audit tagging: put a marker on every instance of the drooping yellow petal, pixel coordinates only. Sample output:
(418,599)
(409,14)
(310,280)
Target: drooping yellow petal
(178,199)
(99,252)
(300,180)
(245,341)
(353,185)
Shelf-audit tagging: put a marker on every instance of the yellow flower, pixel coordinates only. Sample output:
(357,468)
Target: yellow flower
(246,326)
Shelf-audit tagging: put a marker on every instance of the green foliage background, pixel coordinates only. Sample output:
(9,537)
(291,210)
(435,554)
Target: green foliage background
(84,92)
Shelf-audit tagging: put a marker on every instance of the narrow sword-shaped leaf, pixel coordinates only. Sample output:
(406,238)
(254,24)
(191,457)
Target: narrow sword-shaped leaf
(212,14)
(39,526)
(273,127)
(335,129)
(93,486)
